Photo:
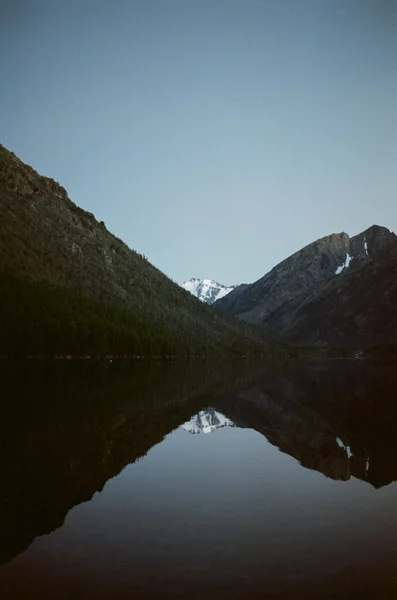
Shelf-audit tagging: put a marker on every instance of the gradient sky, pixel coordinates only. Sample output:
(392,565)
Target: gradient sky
(217,137)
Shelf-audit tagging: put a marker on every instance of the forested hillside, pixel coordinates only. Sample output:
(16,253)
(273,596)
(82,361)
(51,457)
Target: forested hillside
(69,286)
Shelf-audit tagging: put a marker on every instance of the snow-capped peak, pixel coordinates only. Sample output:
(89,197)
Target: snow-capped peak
(207,290)
(206,421)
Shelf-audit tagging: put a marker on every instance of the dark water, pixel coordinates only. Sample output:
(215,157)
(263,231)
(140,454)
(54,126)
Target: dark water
(199,481)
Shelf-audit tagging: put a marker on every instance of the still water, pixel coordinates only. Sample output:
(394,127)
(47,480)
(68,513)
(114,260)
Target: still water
(199,481)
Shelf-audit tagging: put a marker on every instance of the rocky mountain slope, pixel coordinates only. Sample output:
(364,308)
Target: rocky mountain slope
(287,299)
(207,290)
(80,289)
(358,307)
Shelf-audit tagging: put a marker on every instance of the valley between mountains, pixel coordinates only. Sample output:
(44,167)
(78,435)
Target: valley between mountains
(338,291)
(70,287)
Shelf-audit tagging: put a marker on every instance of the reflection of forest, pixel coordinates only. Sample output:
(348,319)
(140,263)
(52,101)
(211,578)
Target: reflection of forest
(66,429)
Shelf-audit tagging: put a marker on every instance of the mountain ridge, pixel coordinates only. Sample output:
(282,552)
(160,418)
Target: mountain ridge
(274,300)
(359,306)
(50,246)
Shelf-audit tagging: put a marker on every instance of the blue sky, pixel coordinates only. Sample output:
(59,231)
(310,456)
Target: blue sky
(216,137)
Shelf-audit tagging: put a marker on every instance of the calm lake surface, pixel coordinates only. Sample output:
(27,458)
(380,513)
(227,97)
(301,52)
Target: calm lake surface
(199,481)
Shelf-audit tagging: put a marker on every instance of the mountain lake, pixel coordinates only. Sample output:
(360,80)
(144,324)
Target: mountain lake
(198,480)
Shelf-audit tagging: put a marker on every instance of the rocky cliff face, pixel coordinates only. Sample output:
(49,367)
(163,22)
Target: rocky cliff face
(357,308)
(274,301)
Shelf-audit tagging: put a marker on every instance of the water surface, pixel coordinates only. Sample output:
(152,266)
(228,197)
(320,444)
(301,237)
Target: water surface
(200,482)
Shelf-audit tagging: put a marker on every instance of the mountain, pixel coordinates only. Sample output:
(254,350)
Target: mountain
(68,286)
(290,299)
(207,290)
(207,421)
(358,308)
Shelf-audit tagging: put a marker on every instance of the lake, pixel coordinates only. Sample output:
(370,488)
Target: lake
(199,480)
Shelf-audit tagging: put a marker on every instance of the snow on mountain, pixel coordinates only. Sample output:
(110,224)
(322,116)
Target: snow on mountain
(206,421)
(347,262)
(207,290)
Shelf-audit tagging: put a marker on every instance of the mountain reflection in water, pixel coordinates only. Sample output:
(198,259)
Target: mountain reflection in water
(65,432)
(207,421)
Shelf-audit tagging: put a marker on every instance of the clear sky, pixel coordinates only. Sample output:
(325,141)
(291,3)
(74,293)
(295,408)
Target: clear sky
(215,136)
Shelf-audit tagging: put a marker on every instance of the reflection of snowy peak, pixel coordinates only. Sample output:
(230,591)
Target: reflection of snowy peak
(207,421)
(207,290)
